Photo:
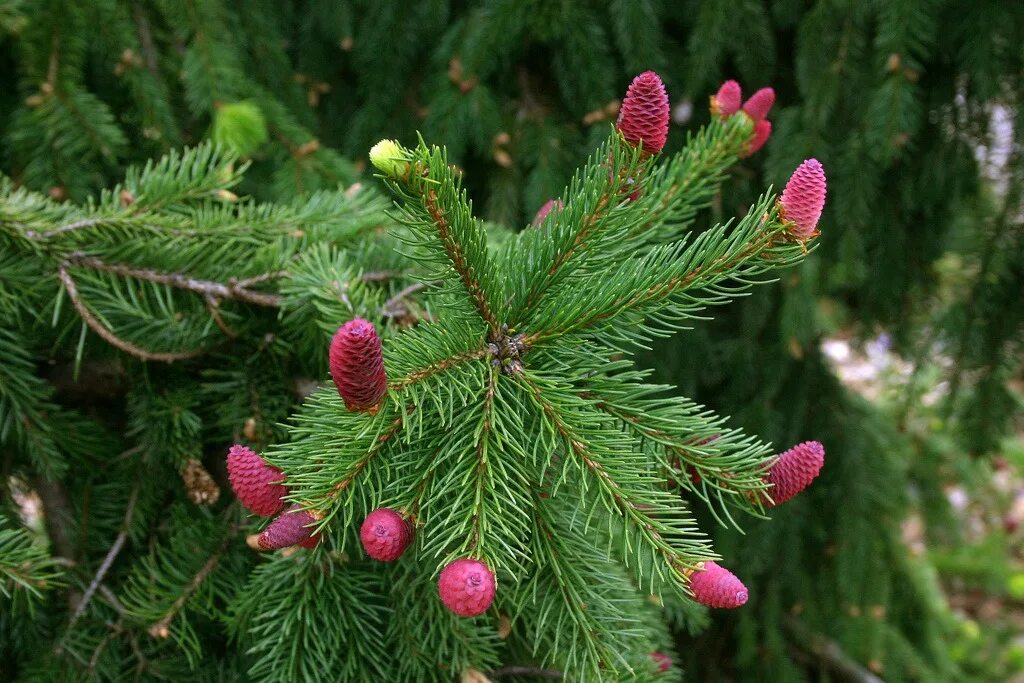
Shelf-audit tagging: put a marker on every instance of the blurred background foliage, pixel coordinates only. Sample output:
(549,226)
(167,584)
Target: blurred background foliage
(898,345)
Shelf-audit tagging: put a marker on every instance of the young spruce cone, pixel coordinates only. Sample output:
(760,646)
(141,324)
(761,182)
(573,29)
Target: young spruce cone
(357,365)
(716,586)
(793,471)
(385,535)
(466,587)
(804,198)
(255,482)
(644,114)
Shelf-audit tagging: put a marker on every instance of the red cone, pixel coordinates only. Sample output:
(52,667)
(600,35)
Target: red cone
(466,587)
(762,131)
(357,365)
(255,482)
(803,199)
(716,586)
(663,661)
(549,206)
(760,103)
(385,535)
(726,101)
(793,471)
(291,528)
(644,114)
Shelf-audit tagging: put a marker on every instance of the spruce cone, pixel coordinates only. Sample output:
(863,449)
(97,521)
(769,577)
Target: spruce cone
(760,103)
(762,131)
(793,471)
(644,115)
(466,587)
(663,661)
(290,528)
(549,206)
(202,489)
(804,198)
(357,365)
(255,482)
(726,101)
(716,586)
(385,535)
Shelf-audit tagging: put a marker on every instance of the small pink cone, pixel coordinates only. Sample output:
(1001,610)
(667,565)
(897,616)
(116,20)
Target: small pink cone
(793,471)
(357,364)
(256,482)
(466,587)
(549,206)
(385,535)
(663,661)
(644,115)
(762,131)
(726,101)
(292,527)
(803,199)
(760,103)
(716,586)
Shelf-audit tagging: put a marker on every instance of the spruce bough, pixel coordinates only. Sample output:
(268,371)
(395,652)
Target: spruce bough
(512,431)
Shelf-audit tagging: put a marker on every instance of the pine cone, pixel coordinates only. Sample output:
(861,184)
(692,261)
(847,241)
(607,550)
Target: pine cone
(290,528)
(663,661)
(726,101)
(644,115)
(762,131)
(804,198)
(760,103)
(466,587)
(202,489)
(255,482)
(357,365)
(548,207)
(385,535)
(716,586)
(793,471)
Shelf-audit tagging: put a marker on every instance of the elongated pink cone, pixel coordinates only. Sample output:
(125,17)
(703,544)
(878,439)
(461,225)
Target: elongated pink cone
(357,365)
(255,481)
(385,535)
(549,206)
(716,586)
(794,471)
(290,528)
(644,114)
(804,198)
(311,542)
(466,587)
(760,103)
(762,131)
(726,101)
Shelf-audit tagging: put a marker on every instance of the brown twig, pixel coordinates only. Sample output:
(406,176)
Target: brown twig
(213,307)
(391,308)
(438,367)
(817,650)
(96,326)
(233,289)
(161,627)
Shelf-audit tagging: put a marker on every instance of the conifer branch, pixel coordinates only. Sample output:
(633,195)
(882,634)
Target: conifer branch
(361,464)
(107,335)
(233,289)
(457,256)
(438,367)
(527,671)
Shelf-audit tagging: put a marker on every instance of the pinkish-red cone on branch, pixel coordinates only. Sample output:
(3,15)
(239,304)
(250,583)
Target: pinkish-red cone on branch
(716,586)
(255,481)
(293,527)
(466,587)
(803,199)
(663,661)
(385,535)
(762,131)
(357,365)
(549,206)
(760,103)
(793,471)
(726,101)
(644,115)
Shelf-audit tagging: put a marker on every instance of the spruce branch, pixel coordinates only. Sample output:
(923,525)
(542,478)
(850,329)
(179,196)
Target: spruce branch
(107,335)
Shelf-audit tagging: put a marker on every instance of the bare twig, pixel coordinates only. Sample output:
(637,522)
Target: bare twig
(145,39)
(395,307)
(96,326)
(816,649)
(213,306)
(233,289)
(161,627)
(378,276)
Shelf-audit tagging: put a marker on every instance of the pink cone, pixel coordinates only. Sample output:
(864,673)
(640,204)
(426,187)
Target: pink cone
(549,206)
(726,101)
(357,365)
(644,114)
(290,528)
(804,198)
(760,103)
(762,131)
(663,661)
(716,586)
(385,535)
(255,481)
(466,587)
(793,471)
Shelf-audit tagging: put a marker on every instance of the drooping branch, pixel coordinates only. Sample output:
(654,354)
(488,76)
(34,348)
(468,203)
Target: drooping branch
(107,335)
